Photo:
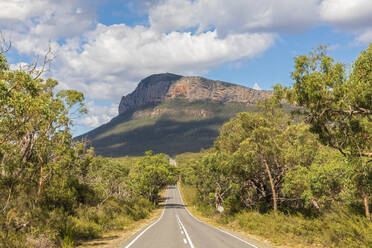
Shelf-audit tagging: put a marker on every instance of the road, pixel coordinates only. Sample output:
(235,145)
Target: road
(176,227)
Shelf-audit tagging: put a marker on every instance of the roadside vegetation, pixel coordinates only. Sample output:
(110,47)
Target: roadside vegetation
(303,179)
(54,192)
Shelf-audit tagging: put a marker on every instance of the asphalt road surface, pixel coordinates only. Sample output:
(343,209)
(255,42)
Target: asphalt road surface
(176,227)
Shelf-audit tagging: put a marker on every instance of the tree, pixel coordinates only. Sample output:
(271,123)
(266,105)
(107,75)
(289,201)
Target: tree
(337,107)
(220,176)
(271,149)
(262,148)
(36,145)
(152,174)
(323,184)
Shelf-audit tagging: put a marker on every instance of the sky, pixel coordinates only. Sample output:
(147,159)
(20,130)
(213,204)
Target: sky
(103,48)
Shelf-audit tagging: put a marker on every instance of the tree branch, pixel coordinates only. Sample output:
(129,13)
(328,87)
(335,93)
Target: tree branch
(5,45)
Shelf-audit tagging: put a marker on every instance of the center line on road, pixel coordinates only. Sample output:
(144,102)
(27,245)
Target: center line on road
(184,229)
(232,235)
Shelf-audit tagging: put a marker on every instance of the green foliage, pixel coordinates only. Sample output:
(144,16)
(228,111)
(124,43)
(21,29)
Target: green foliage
(304,175)
(338,108)
(250,158)
(173,127)
(3,63)
(326,183)
(54,191)
(151,174)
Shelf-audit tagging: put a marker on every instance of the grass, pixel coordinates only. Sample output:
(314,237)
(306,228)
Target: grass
(125,229)
(117,237)
(333,229)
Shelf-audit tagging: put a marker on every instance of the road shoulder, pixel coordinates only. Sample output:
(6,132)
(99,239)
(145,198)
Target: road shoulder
(117,238)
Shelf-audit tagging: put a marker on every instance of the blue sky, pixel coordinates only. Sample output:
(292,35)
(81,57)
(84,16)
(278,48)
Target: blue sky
(103,48)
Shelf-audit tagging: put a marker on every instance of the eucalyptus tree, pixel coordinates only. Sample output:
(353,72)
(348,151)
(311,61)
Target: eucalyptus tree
(338,108)
(151,174)
(272,146)
(35,141)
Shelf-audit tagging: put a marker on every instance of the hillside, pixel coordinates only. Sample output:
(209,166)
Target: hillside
(172,114)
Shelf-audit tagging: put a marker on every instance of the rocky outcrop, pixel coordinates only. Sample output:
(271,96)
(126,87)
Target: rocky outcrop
(157,112)
(151,90)
(159,88)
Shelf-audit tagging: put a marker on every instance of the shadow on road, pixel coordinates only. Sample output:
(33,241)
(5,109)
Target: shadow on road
(173,205)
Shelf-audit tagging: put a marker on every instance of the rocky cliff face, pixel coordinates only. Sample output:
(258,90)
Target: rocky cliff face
(159,88)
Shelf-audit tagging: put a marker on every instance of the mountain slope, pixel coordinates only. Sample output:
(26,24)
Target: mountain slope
(172,114)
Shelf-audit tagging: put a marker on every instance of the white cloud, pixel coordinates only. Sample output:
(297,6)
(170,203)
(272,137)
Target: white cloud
(256,86)
(234,16)
(20,10)
(18,66)
(114,58)
(365,37)
(352,16)
(32,24)
(98,114)
(106,62)
(347,14)
(241,16)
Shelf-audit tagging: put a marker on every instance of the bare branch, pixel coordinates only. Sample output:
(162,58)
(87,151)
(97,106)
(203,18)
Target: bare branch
(367,154)
(48,58)
(35,69)
(5,44)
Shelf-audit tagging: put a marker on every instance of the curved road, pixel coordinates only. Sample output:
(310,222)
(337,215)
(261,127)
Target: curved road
(176,227)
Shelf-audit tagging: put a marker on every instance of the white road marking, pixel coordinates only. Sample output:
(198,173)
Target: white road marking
(242,240)
(147,228)
(185,241)
(184,229)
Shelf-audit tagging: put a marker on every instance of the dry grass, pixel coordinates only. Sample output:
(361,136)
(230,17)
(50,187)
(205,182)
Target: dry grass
(114,239)
(267,229)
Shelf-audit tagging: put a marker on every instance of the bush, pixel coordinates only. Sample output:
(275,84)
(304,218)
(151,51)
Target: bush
(334,229)
(139,209)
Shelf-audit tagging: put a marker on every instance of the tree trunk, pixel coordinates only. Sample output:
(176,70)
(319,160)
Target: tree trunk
(365,201)
(41,181)
(272,186)
(365,196)
(217,195)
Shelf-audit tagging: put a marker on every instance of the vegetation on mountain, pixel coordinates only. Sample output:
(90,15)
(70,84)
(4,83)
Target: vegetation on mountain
(173,127)
(172,114)
(53,191)
(298,176)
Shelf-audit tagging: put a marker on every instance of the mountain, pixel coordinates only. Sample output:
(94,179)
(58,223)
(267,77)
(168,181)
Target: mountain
(172,114)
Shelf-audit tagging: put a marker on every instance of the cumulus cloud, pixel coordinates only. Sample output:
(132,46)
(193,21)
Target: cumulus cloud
(33,24)
(20,10)
(256,86)
(355,14)
(182,36)
(234,16)
(114,58)
(98,114)
(352,16)
(241,16)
